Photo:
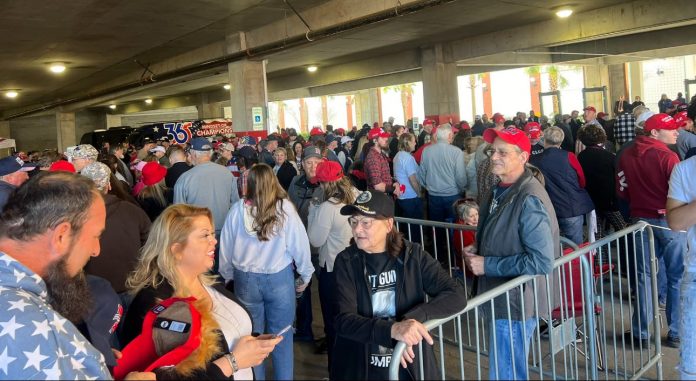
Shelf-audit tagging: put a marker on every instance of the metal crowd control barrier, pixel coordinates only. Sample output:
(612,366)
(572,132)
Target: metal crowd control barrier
(581,328)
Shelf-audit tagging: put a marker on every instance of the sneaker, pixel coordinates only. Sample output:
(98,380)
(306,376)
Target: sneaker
(672,342)
(636,342)
(662,305)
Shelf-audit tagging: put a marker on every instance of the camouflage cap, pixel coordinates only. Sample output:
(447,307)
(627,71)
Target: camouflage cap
(98,172)
(84,151)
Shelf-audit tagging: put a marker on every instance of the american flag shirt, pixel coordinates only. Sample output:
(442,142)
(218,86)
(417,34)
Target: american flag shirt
(37,343)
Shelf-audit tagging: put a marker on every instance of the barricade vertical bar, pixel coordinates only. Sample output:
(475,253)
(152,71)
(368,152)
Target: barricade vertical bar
(589,301)
(656,310)
(442,353)
(460,346)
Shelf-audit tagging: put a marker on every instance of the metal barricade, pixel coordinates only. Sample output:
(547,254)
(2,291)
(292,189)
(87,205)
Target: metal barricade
(581,329)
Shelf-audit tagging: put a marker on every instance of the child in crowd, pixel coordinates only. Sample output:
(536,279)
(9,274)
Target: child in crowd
(467,212)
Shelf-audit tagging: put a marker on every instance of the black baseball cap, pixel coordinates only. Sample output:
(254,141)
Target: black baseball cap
(371,203)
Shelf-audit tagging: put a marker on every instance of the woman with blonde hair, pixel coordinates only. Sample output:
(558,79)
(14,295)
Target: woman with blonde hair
(263,235)
(330,232)
(175,262)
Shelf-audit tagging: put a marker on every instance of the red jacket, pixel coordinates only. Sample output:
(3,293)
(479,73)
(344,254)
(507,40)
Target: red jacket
(643,176)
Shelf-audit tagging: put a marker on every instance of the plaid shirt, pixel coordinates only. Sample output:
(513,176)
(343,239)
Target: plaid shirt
(377,169)
(624,128)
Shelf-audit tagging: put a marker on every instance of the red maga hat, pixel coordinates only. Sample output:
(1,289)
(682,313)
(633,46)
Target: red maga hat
(660,122)
(328,171)
(510,135)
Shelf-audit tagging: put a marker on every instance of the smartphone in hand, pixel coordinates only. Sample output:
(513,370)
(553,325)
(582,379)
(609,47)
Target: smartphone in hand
(282,331)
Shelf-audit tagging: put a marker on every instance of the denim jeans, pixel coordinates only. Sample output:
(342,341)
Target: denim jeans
(671,246)
(688,319)
(571,228)
(329,308)
(502,353)
(270,299)
(411,208)
(440,209)
(661,282)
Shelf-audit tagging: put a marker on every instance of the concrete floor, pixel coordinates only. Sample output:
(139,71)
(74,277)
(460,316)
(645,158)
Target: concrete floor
(310,366)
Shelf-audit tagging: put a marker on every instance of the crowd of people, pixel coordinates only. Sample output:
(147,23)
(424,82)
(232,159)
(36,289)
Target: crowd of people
(204,253)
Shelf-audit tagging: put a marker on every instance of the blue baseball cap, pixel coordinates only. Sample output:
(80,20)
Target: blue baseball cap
(12,164)
(200,144)
(248,140)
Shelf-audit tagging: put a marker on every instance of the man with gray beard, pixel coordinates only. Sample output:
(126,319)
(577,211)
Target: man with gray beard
(49,229)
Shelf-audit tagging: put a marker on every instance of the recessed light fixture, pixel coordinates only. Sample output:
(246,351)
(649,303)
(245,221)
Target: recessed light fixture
(113,107)
(564,12)
(11,93)
(312,68)
(148,101)
(227,87)
(57,67)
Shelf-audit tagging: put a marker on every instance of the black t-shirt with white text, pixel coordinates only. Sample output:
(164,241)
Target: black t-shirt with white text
(381,276)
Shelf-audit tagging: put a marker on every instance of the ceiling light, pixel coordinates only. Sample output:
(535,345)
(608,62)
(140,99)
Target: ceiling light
(113,107)
(312,68)
(11,93)
(564,12)
(57,67)
(227,87)
(148,101)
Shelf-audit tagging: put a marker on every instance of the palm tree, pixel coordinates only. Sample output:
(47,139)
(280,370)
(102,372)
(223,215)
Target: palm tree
(556,80)
(406,93)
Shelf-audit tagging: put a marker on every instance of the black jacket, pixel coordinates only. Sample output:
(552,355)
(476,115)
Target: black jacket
(418,275)
(174,172)
(147,298)
(285,174)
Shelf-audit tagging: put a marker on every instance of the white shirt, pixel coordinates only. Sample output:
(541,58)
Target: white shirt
(328,230)
(682,188)
(241,249)
(234,323)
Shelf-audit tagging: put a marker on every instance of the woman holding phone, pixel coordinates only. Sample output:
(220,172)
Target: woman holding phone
(175,261)
(262,237)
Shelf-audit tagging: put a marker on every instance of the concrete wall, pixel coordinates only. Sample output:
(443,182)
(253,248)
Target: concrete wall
(138,120)
(87,121)
(34,133)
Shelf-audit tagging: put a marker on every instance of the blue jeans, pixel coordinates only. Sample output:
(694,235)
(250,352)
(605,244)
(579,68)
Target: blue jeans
(661,282)
(670,246)
(500,360)
(688,319)
(571,228)
(411,208)
(270,299)
(440,209)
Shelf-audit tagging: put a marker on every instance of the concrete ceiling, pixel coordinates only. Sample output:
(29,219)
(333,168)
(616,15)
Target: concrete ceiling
(102,40)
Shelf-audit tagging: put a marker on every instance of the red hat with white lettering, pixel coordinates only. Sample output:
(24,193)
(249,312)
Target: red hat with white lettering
(316,131)
(428,121)
(681,118)
(510,135)
(533,130)
(660,122)
(590,108)
(377,133)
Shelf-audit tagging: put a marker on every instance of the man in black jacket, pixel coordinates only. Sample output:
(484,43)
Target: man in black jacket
(382,281)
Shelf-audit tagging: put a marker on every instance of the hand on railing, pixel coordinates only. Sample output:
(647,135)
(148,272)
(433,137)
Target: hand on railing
(411,332)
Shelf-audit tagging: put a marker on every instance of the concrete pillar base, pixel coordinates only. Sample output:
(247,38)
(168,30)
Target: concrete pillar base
(440,91)
(65,129)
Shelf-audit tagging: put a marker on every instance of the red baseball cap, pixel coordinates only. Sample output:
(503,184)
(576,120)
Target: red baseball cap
(153,173)
(660,122)
(465,126)
(601,114)
(533,130)
(429,121)
(681,118)
(676,102)
(590,108)
(158,334)
(328,171)
(498,118)
(340,131)
(510,135)
(316,131)
(62,165)
(377,132)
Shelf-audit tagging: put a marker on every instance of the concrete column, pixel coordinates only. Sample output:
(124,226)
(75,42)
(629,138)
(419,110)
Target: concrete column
(617,84)
(597,76)
(113,121)
(247,90)
(440,83)
(65,129)
(208,109)
(5,129)
(366,107)
(635,83)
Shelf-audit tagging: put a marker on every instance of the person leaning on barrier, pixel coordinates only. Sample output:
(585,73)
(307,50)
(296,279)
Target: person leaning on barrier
(381,284)
(518,209)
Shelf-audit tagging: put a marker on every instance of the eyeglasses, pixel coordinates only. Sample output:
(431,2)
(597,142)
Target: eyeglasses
(490,152)
(364,223)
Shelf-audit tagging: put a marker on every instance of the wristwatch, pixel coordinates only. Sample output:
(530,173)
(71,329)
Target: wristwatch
(233,362)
